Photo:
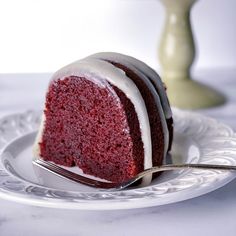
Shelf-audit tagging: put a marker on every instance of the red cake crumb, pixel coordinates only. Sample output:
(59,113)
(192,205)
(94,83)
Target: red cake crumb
(93,127)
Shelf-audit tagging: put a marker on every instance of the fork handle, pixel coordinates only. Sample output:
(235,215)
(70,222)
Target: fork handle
(192,166)
(156,169)
(172,167)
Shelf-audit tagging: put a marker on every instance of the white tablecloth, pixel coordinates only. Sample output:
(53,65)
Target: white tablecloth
(211,214)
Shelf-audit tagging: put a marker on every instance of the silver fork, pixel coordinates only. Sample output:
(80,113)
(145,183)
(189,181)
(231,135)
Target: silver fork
(120,186)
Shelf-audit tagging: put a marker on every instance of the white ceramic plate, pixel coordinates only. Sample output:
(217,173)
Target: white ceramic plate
(197,139)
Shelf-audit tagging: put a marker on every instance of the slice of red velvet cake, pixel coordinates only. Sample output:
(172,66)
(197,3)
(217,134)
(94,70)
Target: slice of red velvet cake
(109,115)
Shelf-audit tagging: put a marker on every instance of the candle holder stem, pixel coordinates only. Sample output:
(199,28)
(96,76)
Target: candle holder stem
(176,54)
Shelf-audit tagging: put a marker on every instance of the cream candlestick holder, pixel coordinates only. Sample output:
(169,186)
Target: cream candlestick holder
(176,54)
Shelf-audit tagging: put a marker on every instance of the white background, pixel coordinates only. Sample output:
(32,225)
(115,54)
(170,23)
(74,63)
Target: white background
(42,36)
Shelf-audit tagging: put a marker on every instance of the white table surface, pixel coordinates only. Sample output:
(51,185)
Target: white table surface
(211,214)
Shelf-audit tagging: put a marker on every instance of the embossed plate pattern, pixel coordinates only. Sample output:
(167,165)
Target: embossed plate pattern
(215,141)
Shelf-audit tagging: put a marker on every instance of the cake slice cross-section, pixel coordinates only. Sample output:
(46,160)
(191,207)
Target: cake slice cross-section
(105,115)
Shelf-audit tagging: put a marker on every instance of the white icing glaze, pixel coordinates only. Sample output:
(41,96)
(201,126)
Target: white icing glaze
(125,60)
(145,69)
(100,70)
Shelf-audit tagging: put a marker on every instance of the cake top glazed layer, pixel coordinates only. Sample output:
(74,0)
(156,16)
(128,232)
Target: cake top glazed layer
(103,70)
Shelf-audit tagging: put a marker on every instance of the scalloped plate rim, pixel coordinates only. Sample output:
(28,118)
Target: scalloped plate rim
(105,204)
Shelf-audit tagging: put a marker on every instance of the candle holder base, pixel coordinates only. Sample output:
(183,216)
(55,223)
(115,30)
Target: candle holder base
(190,94)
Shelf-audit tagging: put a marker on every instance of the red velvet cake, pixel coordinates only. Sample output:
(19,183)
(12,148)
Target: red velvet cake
(109,115)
